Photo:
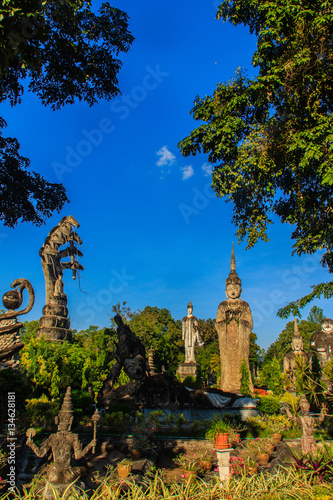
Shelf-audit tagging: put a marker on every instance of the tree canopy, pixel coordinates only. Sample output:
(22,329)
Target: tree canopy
(156,328)
(270,137)
(51,367)
(66,52)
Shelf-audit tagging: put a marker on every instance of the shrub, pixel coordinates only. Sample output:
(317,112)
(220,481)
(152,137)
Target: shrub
(245,379)
(41,412)
(116,421)
(272,377)
(191,382)
(82,402)
(319,465)
(269,405)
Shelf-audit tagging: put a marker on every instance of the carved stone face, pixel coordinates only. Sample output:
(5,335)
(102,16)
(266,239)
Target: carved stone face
(64,424)
(189,311)
(327,325)
(135,367)
(297,344)
(233,291)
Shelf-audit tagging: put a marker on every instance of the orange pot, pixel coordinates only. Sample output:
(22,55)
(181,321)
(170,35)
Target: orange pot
(124,470)
(222,441)
(205,465)
(189,473)
(277,437)
(263,458)
(252,470)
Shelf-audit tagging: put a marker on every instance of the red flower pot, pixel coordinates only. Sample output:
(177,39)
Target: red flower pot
(222,441)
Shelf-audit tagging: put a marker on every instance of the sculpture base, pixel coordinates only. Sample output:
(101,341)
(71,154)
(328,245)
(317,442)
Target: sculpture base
(309,444)
(187,369)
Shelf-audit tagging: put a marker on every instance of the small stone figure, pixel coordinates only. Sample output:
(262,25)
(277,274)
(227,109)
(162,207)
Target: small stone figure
(307,424)
(290,357)
(10,343)
(63,445)
(130,354)
(190,334)
(322,342)
(234,325)
(54,324)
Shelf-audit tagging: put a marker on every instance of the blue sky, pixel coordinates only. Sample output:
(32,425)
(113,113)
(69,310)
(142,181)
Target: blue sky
(153,233)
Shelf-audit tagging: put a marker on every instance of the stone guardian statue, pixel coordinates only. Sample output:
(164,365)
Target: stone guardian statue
(64,444)
(233,325)
(307,423)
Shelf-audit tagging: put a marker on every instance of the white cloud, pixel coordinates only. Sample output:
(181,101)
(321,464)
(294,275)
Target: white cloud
(166,157)
(187,172)
(208,169)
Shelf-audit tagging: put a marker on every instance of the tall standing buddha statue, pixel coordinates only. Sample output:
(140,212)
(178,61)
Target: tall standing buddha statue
(234,325)
(191,337)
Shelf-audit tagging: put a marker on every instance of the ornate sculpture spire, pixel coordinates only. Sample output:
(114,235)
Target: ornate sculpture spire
(297,340)
(67,407)
(189,305)
(233,276)
(233,260)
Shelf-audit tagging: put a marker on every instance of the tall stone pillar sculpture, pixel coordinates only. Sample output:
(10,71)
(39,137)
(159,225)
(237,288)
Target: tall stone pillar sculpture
(191,337)
(10,343)
(290,357)
(54,324)
(233,325)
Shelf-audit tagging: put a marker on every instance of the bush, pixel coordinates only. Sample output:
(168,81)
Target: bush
(191,382)
(271,376)
(119,406)
(269,405)
(82,402)
(245,379)
(117,421)
(41,412)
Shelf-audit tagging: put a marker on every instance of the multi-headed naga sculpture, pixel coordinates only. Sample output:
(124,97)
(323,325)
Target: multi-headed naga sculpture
(54,324)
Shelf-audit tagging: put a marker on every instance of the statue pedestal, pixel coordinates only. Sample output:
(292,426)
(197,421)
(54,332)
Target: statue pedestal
(223,458)
(309,444)
(187,369)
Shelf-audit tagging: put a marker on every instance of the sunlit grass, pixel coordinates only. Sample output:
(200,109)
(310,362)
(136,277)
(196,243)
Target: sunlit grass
(285,484)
